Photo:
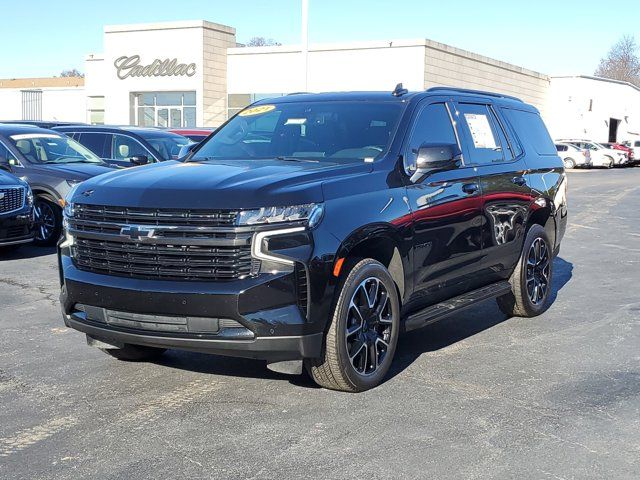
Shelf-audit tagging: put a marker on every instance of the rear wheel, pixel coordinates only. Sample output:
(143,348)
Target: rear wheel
(531,280)
(48,219)
(134,353)
(363,334)
(569,163)
(611,163)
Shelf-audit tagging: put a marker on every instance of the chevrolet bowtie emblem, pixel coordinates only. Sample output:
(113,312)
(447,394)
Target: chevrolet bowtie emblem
(135,232)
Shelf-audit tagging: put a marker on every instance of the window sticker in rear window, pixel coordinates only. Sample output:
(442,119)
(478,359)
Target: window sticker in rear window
(480,130)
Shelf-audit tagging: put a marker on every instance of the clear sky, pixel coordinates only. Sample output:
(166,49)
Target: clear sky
(44,37)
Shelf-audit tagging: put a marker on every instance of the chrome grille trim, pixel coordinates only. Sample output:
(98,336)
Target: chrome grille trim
(14,198)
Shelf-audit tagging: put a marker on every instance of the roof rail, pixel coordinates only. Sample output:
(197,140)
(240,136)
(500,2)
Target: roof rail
(479,92)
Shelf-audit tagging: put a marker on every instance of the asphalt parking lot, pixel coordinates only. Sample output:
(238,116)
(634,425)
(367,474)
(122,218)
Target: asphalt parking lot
(476,396)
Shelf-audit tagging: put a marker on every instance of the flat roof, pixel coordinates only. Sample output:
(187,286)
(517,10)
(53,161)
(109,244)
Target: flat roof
(138,27)
(40,82)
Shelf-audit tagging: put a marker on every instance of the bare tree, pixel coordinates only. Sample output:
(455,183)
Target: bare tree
(71,73)
(263,42)
(622,62)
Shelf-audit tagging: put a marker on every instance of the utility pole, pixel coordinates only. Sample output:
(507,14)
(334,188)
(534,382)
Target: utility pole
(305,43)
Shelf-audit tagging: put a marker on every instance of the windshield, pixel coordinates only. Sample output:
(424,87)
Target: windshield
(45,148)
(168,145)
(337,131)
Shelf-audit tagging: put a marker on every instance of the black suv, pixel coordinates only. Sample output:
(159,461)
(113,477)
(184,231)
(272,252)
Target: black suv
(51,163)
(314,228)
(128,146)
(16,212)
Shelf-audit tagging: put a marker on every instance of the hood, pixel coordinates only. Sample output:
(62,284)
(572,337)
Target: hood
(216,184)
(8,179)
(74,171)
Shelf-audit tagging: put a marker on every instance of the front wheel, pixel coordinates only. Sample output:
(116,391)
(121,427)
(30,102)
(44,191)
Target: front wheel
(569,163)
(363,334)
(531,280)
(48,219)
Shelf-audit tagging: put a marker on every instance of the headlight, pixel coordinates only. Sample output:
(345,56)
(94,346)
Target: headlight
(312,213)
(67,203)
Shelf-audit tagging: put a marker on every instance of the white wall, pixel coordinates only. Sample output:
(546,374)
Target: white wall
(181,40)
(580,107)
(356,66)
(63,104)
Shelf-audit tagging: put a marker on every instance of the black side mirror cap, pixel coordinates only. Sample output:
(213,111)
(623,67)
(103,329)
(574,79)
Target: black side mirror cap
(139,159)
(436,157)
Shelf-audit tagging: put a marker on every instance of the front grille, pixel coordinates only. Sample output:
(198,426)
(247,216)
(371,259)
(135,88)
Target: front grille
(11,199)
(155,216)
(163,261)
(175,245)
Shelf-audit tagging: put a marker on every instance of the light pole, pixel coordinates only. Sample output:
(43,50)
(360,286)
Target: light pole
(305,43)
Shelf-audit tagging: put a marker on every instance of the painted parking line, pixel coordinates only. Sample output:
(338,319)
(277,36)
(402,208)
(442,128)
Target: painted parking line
(33,435)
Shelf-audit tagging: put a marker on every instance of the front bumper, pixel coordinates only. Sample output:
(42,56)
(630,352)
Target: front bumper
(16,228)
(271,323)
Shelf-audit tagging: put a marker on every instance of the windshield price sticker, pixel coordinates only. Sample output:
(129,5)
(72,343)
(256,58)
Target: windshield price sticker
(256,110)
(480,130)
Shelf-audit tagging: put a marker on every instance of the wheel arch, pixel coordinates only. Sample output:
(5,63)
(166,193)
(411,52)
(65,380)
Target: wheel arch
(544,217)
(46,193)
(379,242)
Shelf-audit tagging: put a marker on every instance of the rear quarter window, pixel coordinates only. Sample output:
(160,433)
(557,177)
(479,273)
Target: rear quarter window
(531,131)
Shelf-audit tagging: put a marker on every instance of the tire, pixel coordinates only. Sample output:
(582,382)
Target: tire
(345,365)
(48,222)
(134,353)
(525,301)
(611,163)
(569,163)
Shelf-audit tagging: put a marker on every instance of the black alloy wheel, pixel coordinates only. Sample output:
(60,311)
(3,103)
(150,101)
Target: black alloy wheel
(538,271)
(48,222)
(369,326)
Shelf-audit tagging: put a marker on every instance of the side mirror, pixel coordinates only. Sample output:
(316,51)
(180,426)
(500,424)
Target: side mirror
(435,157)
(4,164)
(139,159)
(186,150)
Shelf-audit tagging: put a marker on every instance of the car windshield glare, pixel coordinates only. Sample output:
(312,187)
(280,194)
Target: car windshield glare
(319,131)
(51,148)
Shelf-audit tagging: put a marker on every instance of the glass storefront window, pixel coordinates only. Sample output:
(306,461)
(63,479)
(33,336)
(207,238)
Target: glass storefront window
(164,109)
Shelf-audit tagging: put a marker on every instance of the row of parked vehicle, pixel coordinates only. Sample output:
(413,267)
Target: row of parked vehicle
(41,161)
(576,153)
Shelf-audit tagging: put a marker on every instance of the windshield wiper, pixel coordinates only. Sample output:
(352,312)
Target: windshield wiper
(295,159)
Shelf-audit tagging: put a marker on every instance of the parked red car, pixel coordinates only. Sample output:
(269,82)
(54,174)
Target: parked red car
(619,146)
(195,134)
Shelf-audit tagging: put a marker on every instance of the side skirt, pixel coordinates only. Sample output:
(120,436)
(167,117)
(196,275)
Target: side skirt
(456,304)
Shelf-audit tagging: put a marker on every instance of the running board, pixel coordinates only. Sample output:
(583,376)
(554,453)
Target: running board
(456,304)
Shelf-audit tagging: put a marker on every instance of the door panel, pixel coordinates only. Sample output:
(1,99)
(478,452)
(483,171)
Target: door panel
(446,215)
(505,185)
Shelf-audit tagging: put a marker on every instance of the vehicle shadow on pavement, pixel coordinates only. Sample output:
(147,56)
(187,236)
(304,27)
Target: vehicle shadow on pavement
(431,338)
(463,325)
(27,251)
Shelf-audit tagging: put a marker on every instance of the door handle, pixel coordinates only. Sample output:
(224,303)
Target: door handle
(470,188)
(520,181)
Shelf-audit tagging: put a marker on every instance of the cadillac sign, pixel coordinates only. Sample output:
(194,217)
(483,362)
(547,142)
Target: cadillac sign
(130,67)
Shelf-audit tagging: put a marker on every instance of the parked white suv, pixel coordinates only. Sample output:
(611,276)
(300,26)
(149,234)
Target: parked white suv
(635,146)
(572,156)
(601,156)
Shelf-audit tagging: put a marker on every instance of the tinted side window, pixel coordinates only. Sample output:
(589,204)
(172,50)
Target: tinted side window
(433,125)
(126,147)
(562,148)
(531,130)
(484,139)
(98,143)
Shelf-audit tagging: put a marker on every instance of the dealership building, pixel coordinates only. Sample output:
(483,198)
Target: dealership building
(183,74)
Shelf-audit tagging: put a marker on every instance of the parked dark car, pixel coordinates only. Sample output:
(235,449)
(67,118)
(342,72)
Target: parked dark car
(16,211)
(51,163)
(194,134)
(128,146)
(41,123)
(314,228)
